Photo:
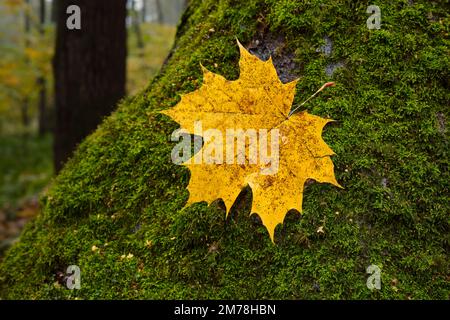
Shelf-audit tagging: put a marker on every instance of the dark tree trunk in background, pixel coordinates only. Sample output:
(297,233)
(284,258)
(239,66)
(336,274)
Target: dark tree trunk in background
(25,103)
(89,68)
(159,13)
(135,22)
(53,11)
(42,81)
(144,11)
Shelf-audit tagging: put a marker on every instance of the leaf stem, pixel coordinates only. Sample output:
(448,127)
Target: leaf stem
(326,85)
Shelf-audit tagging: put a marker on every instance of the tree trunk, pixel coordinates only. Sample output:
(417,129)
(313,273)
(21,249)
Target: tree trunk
(89,70)
(42,81)
(159,14)
(54,5)
(24,112)
(144,11)
(135,22)
(25,105)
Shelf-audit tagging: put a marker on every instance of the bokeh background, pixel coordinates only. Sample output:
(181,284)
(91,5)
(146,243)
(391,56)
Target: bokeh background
(27,103)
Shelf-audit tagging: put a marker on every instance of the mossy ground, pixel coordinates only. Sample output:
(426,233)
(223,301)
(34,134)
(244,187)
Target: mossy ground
(122,194)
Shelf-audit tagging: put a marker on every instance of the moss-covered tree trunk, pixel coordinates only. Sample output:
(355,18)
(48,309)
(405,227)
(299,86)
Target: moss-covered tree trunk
(116,209)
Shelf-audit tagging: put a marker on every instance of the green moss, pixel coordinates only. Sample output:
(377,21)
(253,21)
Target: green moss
(121,193)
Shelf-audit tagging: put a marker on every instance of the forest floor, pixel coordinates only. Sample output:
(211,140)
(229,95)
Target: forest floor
(25,170)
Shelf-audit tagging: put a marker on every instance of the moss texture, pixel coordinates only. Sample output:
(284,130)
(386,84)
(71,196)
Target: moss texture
(121,193)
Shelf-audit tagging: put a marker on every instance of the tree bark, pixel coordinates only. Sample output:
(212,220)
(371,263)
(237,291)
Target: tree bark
(89,69)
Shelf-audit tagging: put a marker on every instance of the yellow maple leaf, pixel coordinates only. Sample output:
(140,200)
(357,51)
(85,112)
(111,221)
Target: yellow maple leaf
(257,100)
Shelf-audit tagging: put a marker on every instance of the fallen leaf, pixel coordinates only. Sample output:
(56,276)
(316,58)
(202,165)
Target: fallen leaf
(257,100)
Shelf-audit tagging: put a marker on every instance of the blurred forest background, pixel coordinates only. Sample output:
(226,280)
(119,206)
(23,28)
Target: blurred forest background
(27,95)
